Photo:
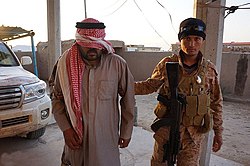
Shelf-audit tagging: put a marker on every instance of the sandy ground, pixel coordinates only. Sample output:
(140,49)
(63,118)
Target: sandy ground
(47,149)
(236,136)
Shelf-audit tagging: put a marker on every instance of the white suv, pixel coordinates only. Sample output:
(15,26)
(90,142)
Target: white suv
(25,108)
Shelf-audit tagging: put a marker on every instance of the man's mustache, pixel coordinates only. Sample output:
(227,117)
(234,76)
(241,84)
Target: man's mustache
(92,50)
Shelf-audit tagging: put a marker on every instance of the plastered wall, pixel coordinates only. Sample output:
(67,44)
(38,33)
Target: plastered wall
(142,64)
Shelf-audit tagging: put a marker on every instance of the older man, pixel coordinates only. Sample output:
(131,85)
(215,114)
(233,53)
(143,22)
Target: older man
(88,82)
(199,84)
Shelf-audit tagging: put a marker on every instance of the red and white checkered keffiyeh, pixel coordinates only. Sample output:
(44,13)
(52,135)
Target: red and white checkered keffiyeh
(91,38)
(75,69)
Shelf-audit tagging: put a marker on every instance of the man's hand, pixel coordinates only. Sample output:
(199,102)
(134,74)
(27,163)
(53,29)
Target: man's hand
(217,143)
(72,139)
(123,143)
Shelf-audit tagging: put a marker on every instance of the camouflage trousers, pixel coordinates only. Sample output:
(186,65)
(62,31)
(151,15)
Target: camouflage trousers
(189,155)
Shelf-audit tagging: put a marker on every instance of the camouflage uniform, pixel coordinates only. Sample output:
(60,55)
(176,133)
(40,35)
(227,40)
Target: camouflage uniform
(191,134)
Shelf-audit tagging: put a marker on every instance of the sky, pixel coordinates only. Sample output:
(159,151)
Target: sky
(142,22)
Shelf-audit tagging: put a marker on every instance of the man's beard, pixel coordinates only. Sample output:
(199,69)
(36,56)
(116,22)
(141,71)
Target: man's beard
(89,57)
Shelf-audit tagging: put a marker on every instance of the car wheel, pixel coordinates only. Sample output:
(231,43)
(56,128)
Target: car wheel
(36,134)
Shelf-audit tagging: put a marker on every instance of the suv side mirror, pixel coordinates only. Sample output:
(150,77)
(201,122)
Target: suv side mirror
(26,60)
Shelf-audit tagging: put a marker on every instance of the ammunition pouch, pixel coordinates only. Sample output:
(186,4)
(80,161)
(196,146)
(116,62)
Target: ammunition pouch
(163,106)
(197,112)
(207,123)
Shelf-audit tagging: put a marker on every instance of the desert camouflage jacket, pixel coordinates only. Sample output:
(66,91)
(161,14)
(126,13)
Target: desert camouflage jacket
(159,82)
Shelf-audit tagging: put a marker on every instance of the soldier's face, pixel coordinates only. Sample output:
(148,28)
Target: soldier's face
(191,45)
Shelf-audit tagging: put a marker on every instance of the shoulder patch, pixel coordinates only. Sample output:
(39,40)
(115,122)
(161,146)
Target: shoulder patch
(212,66)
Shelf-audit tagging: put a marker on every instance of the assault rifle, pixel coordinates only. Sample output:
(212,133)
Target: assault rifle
(172,147)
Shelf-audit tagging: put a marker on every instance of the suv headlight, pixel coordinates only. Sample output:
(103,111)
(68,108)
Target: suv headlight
(34,91)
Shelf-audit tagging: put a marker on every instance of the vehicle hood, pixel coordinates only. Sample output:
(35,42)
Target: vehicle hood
(10,76)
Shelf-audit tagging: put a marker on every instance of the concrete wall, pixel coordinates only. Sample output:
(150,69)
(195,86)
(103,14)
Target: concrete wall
(142,64)
(42,54)
(235,73)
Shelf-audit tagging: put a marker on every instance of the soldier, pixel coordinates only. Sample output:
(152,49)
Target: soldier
(199,84)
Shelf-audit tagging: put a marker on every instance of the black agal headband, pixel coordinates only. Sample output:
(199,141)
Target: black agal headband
(87,25)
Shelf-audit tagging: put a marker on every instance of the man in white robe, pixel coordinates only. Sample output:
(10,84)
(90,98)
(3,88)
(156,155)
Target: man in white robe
(90,82)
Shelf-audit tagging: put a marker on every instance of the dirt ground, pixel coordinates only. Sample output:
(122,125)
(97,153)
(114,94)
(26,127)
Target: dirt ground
(236,136)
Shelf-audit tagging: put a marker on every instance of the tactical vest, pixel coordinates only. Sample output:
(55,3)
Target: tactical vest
(197,108)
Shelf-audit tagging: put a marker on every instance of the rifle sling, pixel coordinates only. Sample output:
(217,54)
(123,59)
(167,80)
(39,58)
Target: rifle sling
(167,102)
(160,123)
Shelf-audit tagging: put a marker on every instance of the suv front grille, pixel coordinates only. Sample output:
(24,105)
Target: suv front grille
(10,97)
(15,121)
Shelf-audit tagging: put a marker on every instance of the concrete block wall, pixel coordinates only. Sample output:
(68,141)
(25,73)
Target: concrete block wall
(142,64)
(235,64)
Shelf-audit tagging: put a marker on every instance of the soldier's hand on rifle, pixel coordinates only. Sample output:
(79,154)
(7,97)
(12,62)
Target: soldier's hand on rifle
(123,143)
(217,143)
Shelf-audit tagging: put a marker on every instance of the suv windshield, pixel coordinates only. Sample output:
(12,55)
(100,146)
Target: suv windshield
(6,56)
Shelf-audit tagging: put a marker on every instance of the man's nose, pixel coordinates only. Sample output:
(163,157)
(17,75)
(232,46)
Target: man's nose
(191,43)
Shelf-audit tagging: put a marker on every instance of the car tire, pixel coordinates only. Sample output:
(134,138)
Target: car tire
(36,134)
